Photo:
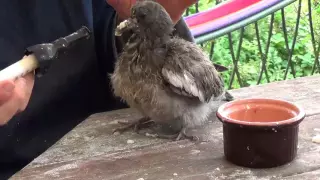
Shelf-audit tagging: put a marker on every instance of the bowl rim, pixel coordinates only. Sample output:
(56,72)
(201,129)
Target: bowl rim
(297,118)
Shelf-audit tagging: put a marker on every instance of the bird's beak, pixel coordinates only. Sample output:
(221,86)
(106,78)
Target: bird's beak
(126,25)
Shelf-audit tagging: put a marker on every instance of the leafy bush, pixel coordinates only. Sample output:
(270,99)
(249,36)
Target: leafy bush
(277,58)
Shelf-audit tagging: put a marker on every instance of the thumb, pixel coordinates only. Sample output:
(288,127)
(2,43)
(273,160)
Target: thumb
(122,7)
(6,90)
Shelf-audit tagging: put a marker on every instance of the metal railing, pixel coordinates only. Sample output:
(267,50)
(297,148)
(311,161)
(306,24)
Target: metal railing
(283,45)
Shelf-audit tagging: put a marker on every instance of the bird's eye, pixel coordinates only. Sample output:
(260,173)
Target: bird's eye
(142,13)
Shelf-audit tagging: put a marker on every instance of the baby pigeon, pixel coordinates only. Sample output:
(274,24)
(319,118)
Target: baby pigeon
(169,80)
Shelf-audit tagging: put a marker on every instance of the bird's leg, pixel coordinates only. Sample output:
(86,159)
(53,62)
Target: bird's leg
(178,136)
(167,136)
(134,124)
(228,96)
(183,135)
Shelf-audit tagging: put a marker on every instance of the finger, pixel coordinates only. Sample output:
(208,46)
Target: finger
(112,2)
(9,109)
(190,2)
(121,3)
(132,2)
(19,99)
(24,87)
(122,7)
(6,90)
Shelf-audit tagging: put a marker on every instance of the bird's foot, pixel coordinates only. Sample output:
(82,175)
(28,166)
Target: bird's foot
(136,125)
(167,136)
(178,136)
(228,96)
(182,135)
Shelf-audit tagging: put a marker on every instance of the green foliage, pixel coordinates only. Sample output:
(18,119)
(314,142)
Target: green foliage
(250,59)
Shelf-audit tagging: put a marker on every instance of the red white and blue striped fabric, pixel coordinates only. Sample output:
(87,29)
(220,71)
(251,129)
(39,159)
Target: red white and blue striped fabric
(225,14)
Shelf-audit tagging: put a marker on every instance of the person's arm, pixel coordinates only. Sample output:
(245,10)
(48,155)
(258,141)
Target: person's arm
(175,8)
(181,29)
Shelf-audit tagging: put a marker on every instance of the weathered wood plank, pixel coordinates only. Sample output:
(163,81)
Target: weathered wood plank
(180,160)
(91,146)
(311,175)
(303,91)
(93,136)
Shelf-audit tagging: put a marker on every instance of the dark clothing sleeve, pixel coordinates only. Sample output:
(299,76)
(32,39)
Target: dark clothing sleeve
(76,85)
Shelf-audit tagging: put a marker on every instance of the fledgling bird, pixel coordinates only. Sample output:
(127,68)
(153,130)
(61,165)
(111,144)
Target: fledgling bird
(168,79)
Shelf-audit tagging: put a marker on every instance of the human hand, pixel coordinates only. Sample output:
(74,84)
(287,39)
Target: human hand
(14,96)
(175,8)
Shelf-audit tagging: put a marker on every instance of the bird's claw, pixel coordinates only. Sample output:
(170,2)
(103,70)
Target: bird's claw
(136,125)
(179,136)
(122,129)
(182,136)
(126,125)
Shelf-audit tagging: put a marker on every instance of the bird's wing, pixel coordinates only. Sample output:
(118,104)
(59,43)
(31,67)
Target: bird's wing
(189,72)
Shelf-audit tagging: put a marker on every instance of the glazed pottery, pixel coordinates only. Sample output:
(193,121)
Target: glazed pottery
(260,132)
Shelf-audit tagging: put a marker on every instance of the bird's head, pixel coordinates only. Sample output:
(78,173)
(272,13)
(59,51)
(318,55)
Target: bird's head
(150,18)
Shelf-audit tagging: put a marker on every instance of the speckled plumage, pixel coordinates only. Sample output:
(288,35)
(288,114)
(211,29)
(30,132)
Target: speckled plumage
(167,79)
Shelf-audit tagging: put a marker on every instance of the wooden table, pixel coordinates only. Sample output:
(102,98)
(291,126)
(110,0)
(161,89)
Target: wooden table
(91,152)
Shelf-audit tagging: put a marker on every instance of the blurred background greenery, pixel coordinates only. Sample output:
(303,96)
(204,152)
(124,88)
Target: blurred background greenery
(250,58)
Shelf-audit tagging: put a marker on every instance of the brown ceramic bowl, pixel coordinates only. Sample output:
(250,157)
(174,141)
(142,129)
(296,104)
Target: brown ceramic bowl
(261,132)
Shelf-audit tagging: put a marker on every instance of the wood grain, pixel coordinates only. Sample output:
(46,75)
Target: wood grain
(90,151)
